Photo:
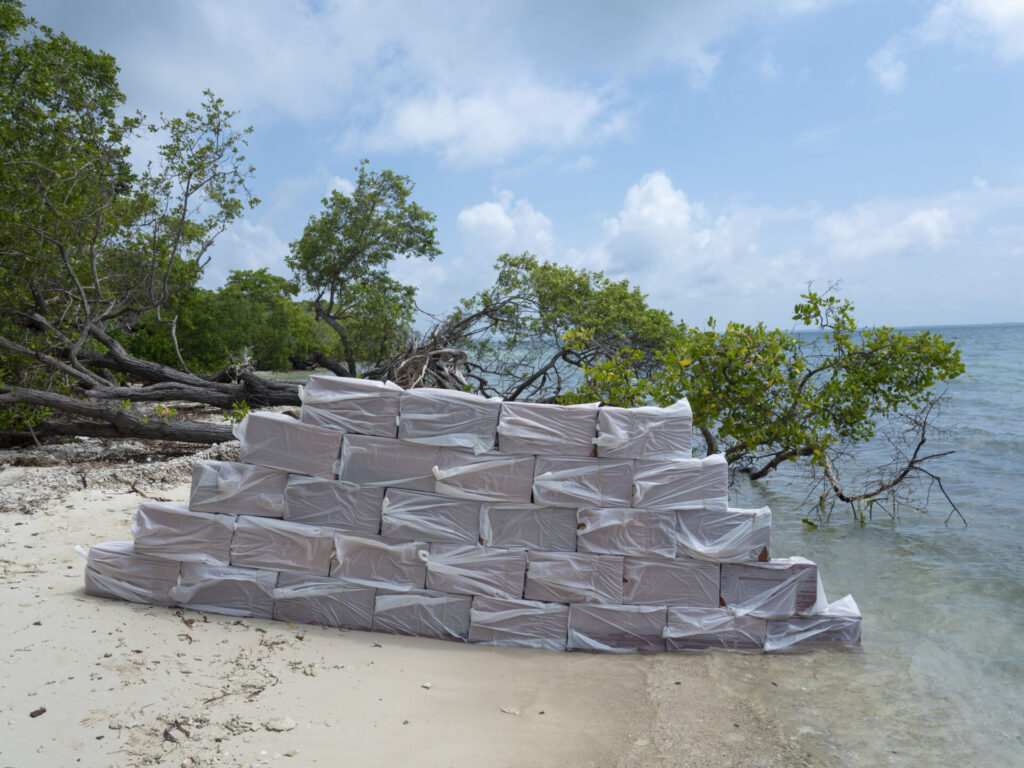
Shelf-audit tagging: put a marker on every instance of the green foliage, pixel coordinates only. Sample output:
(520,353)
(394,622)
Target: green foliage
(344,254)
(239,410)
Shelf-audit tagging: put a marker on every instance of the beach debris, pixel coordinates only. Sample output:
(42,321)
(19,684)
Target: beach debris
(428,686)
(280,724)
(37,712)
(510,711)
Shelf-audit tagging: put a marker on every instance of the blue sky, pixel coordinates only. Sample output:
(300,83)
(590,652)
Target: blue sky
(719,155)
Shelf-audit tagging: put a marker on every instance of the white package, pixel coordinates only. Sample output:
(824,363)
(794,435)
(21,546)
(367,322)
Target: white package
(523,623)
(473,570)
(733,536)
(583,482)
(389,463)
(422,613)
(227,590)
(528,526)
(359,406)
(377,561)
(279,441)
(448,417)
(626,531)
(573,577)
(682,483)
(429,517)
(114,569)
(617,628)
(230,487)
(333,504)
(484,477)
(645,433)
(175,533)
(691,628)
(261,542)
(777,589)
(327,602)
(544,429)
(657,581)
(838,625)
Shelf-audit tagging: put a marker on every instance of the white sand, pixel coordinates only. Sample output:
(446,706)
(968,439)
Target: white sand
(132,685)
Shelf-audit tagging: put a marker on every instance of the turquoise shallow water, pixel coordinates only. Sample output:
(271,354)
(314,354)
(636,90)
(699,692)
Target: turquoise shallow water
(941,678)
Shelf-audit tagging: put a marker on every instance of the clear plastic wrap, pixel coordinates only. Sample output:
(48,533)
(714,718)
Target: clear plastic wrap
(690,628)
(561,481)
(429,517)
(114,569)
(171,532)
(389,463)
(573,577)
(473,570)
(626,531)
(523,623)
(528,526)
(733,536)
(279,441)
(358,406)
(777,589)
(423,613)
(617,628)
(327,602)
(230,487)
(484,477)
(656,581)
(376,561)
(262,542)
(645,433)
(450,418)
(227,590)
(682,483)
(836,626)
(333,504)
(543,429)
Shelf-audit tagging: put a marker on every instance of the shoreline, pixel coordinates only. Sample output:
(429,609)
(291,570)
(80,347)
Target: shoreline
(131,685)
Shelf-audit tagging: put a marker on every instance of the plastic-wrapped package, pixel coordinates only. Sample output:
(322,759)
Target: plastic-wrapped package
(279,441)
(429,517)
(319,600)
(262,542)
(617,628)
(837,625)
(682,483)
(358,406)
(473,570)
(227,590)
(171,532)
(484,477)
(733,536)
(542,429)
(645,433)
(448,417)
(230,487)
(561,481)
(777,589)
(690,628)
(528,526)
(573,577)
(625,531)
(114,569)
(388,463)
(376,561)
(422,613)
(656,581)
(333,504)
(523,623)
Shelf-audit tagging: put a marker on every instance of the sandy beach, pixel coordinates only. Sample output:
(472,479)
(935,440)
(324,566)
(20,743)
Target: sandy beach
(130,685)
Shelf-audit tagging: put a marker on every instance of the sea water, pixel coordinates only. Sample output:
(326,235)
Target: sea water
(940,681)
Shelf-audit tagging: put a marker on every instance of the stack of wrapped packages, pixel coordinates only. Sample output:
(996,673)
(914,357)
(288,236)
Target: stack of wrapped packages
(448,515)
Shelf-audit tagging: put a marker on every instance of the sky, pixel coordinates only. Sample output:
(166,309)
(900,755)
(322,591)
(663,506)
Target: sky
(721,155)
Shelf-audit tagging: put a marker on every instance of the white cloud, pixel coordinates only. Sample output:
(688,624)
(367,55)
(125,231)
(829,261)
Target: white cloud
(246,246)
(885,230)
(889,69)
(339,184)
(506,226)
